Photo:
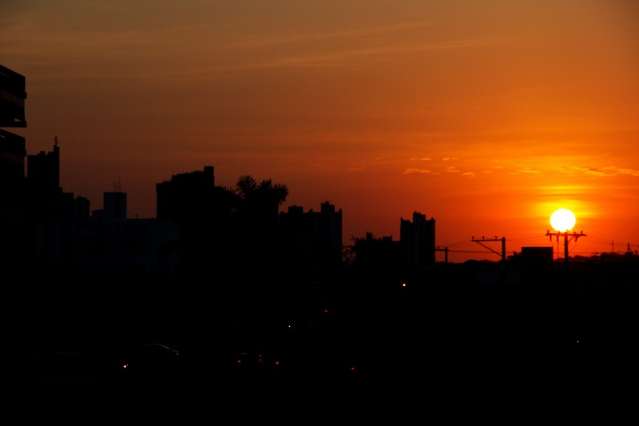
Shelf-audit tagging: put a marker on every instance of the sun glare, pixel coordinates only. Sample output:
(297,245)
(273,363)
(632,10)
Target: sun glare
(563,220)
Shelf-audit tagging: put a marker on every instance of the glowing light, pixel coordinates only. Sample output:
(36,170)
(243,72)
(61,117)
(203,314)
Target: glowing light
(563,220)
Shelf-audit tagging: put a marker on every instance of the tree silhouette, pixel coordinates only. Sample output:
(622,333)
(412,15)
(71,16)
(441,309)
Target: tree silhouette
(261,199)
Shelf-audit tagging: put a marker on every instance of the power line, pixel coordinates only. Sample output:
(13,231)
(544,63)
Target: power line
(481,241)
(568,236)
(469,251)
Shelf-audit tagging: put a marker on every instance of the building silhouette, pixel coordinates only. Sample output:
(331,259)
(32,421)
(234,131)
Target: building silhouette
(202,211)
(43,170)
(312,240)
(131,246)
(115,208)
(49,229)
(417,242)
(82,209)
(186,196)
(46,200)
(12,185)
(538,255)
(377,255)
(12,147)
(12,155)
(12,98)
(14,246)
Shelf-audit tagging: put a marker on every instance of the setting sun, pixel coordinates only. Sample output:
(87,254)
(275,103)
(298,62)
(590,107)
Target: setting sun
(563,220)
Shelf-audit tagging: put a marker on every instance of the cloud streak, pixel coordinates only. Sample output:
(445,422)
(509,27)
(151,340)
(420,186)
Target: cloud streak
(608,171)
(416,171)
(254,43)
(338,58)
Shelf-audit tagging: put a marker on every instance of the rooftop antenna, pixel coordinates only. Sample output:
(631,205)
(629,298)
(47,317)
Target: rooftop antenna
(117,185)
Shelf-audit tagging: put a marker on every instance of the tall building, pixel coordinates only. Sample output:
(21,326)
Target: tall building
(13,244)
(37,219)
(12,97)
(12,154)
(377,255)
(186,196)
(82,209)
(12,147)
(115,209)
(417,241)
(43,170)
(313,240)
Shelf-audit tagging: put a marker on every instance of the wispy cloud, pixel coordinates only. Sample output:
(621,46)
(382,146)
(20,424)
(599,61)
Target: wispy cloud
(260,42)
(340,57)
(627,172)
(528,171)
(328,59)
(415,171)
(564,191)
(607,171)
(590,171)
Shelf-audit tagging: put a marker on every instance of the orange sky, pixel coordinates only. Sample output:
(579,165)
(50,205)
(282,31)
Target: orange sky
(487,115)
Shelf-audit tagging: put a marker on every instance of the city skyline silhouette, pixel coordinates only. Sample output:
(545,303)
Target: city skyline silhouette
(433,198)
(509,111)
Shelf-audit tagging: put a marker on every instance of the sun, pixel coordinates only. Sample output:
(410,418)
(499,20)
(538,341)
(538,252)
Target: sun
(563,220)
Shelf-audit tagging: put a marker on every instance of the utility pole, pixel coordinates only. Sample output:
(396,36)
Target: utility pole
(568,236)
(501,240)
(445,250)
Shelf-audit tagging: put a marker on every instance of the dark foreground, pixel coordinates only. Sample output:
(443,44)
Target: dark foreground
(457,329)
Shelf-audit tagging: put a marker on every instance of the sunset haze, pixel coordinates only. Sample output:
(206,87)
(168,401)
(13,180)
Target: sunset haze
(487,115)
